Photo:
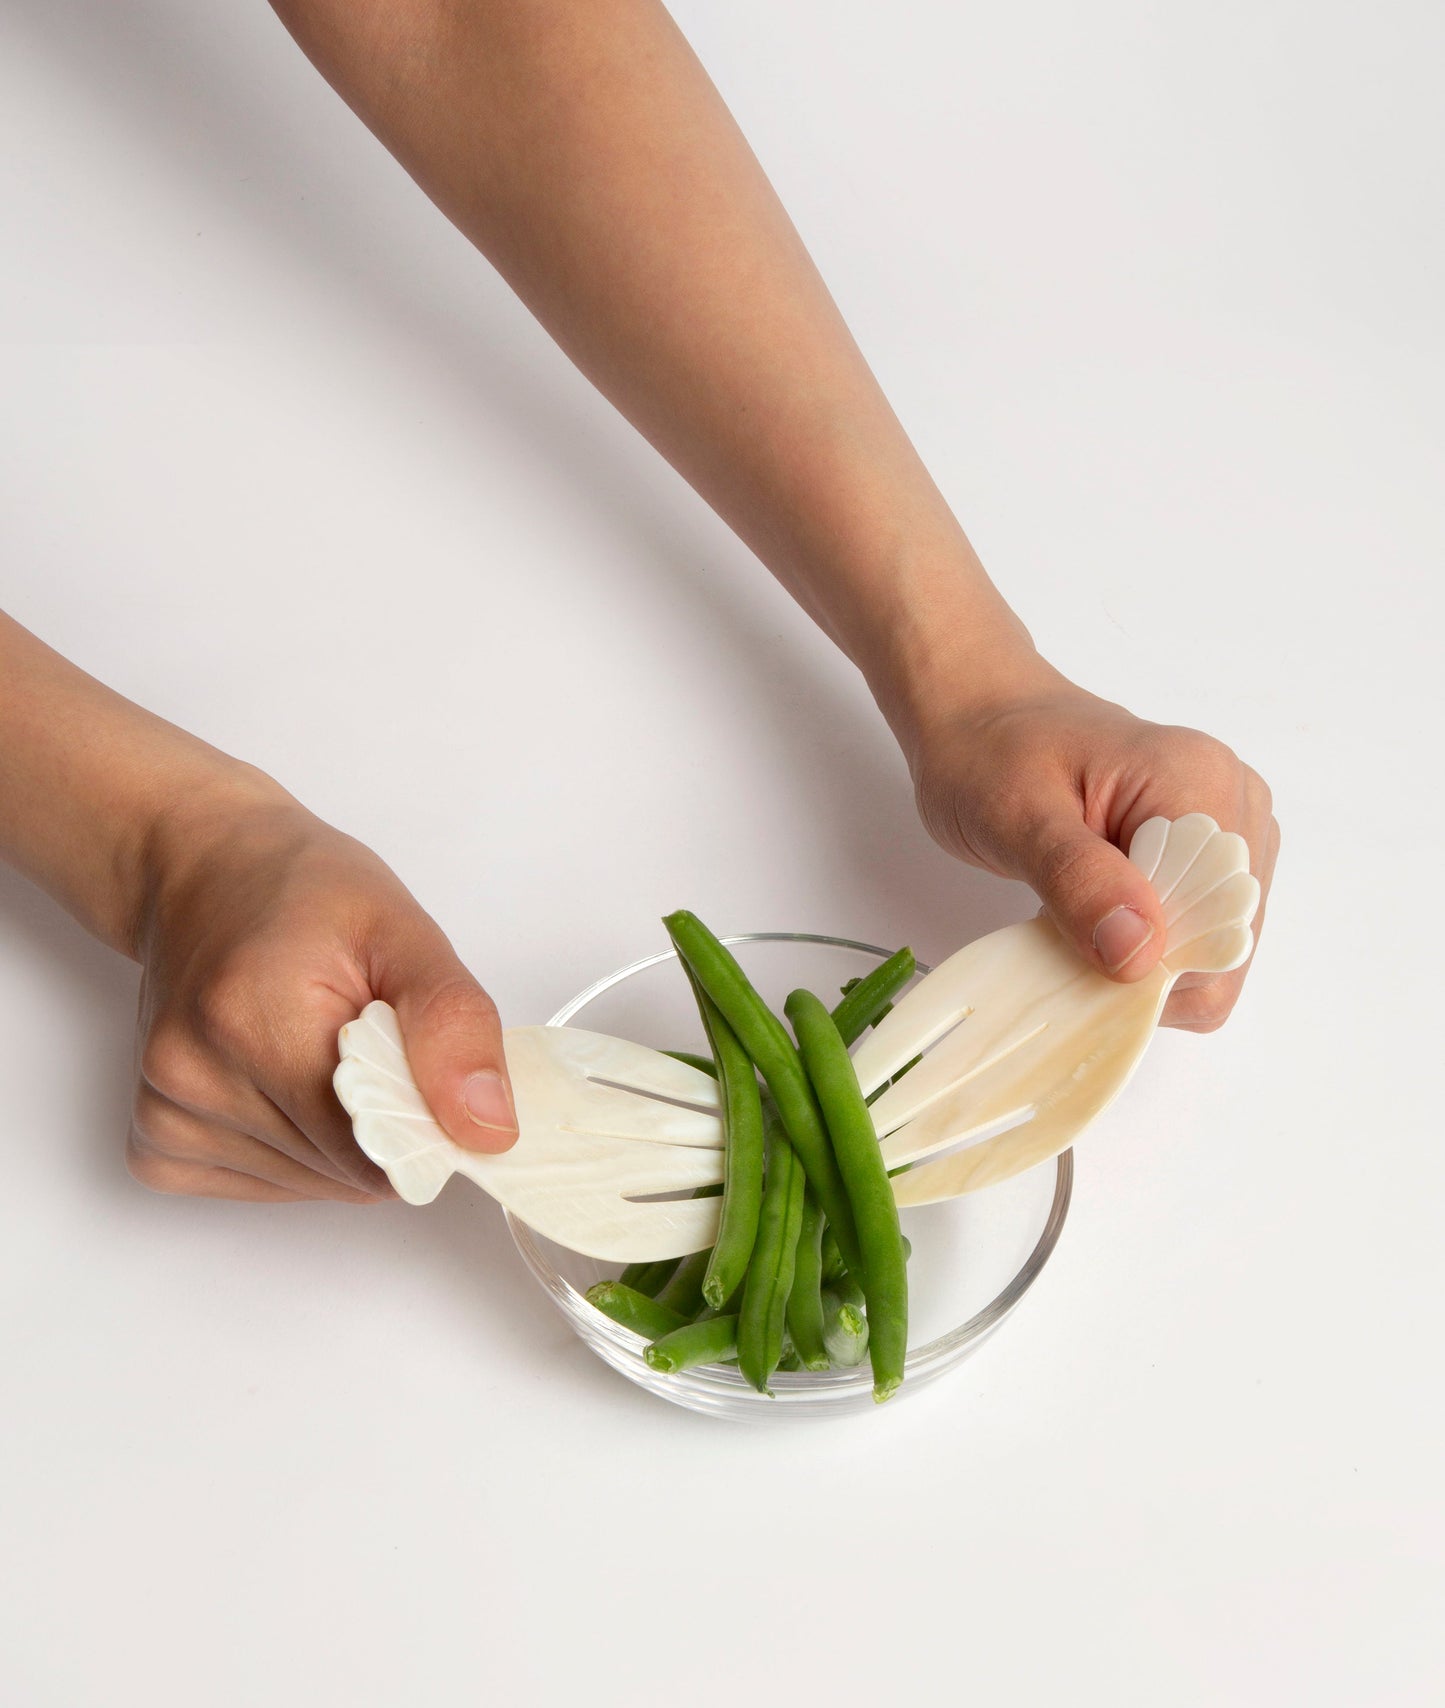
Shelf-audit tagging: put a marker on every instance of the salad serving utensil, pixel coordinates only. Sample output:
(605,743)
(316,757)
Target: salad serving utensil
(1022,1044)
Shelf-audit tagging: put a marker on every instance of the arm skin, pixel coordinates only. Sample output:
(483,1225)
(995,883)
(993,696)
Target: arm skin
(582,148)
(584,151)
(261,931)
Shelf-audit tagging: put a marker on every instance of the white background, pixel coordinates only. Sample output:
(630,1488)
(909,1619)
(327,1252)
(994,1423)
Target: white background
(1157,290)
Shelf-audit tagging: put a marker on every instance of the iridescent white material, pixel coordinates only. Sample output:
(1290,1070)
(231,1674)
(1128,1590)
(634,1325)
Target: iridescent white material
(1032,1044)
(1023,1045)
(587,1151)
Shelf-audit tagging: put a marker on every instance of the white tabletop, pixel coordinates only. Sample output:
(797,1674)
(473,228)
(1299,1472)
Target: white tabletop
(1157,292)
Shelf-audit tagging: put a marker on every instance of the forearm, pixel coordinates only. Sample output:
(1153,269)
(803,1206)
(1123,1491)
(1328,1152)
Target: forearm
(89,782)
(585,151)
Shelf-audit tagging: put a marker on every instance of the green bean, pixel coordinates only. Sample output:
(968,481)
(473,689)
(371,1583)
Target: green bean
(845,1332)
(833,1265)
(834,1268)
(648,1277)
(709,1342)
(805,1301)
(855,1143)
(703,1064)
(847,1288)
(765,1039)
(731,1304)
(770,1273)
(633,1310)
(683,1293)
(742,1154)
(867,1000)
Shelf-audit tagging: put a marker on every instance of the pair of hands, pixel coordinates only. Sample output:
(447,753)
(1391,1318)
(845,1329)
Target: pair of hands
(261,936)
(266,930)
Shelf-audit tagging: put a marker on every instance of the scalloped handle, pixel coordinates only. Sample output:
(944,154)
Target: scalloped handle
(391,1119)
(1202,878)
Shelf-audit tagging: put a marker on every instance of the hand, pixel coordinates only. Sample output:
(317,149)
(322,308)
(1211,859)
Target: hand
(259,942)
(1049,785)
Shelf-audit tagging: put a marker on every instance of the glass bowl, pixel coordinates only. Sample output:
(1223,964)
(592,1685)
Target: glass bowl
(973,1259)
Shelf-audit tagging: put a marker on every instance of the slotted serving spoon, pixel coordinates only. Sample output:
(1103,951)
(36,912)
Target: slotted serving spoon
(1022,1043)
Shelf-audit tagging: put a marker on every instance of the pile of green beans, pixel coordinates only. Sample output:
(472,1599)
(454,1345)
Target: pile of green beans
(809,1267)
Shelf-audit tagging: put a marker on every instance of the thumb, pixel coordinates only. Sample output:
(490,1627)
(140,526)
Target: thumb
(453,1040)
(1101,902)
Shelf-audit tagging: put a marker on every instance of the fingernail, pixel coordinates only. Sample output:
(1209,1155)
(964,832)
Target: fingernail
(1119,936)
(485,1099)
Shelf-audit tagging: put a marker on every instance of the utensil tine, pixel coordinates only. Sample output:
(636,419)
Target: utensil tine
(568,1177)
(604,1060)
(1054,1082)
(1075,1065)
(586,1082)
(613,1134)
(920,1017)
(582,1190)
(1032,963)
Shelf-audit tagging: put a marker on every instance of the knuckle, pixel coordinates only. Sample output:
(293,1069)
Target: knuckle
(1210,1023)
(173,1065)
(461,1001)
(1063,868)
(224,1008)
(166,1130)
(137,1158)
(148,1168)
(147,1114)
(1259,793)
(1221,765)
(1214,765)
(1205,1008)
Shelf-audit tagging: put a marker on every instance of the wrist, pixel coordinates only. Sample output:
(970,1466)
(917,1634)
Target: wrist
(953,655)
(97,796)
(224,805)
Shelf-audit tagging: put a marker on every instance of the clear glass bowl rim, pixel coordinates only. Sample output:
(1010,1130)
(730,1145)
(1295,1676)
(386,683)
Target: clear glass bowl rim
(922,1360)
